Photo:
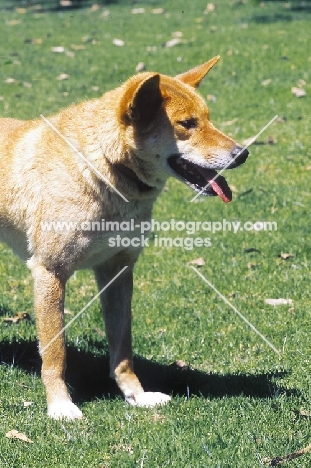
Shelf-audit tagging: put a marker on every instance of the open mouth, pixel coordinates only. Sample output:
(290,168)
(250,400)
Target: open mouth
(205,181)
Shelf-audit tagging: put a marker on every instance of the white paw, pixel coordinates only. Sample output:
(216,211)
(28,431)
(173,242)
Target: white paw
(64,409)
(148,399)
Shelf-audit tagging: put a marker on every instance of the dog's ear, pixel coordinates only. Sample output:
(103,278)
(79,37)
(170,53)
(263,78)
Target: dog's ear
(195,76)
(144,101)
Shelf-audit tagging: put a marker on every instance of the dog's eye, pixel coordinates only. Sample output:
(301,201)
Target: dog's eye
(188,123)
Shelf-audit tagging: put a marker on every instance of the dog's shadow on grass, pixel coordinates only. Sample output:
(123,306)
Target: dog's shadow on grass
(88,376)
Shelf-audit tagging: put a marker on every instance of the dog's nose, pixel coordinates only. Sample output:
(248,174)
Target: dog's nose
(239,155)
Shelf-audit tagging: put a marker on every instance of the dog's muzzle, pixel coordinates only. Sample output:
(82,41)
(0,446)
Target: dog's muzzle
(239,156)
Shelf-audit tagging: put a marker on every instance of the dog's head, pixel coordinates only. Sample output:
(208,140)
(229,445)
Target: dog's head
(168,132)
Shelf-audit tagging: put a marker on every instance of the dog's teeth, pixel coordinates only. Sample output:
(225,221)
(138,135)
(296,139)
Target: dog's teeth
(179,162)
(184,166)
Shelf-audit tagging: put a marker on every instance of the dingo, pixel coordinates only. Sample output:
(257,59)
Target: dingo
(132,138)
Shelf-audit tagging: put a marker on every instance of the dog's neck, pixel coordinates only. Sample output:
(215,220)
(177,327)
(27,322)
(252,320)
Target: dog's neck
(130,174)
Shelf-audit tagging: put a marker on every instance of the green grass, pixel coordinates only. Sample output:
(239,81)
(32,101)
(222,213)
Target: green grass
(238,401)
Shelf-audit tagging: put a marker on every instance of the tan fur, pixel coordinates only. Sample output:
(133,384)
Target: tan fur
(127,135)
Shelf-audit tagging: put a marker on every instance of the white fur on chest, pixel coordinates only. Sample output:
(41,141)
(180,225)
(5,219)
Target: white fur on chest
(106,245)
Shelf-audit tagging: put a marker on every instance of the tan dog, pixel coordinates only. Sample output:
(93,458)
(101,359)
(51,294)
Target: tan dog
(133,139)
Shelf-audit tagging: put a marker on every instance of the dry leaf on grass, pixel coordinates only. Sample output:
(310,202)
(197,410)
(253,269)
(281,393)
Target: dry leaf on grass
(62,77)
(157,11)
(266,82)
(285,458)
(10,80)
(229,122)
(181,364)
(67,311)
(304,413)
(137,11)
(118,42)
(177,34)
(17,318)
(197,261)
(302,83)
(209,8)
(13,22)
(77,46)
(298,92)
(58,49)
(35,41)
(27,403)
(271,140)
(285,256)
(279,301)
(14,434)
(211,97)
(173,42)
(140,67)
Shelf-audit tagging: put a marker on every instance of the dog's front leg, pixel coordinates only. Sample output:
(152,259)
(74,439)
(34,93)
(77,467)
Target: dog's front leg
(49,294)
(116,304)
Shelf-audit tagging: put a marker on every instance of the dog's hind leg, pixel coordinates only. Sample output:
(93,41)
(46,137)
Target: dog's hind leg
(116,304)
(49,293)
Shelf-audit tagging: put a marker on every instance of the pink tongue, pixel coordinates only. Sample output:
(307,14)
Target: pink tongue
(226,197)
(218,184)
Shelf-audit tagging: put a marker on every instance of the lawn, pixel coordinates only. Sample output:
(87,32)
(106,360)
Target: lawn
(236,402)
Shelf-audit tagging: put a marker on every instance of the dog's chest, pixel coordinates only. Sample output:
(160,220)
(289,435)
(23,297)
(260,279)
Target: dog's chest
(107,236)
(106,245)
